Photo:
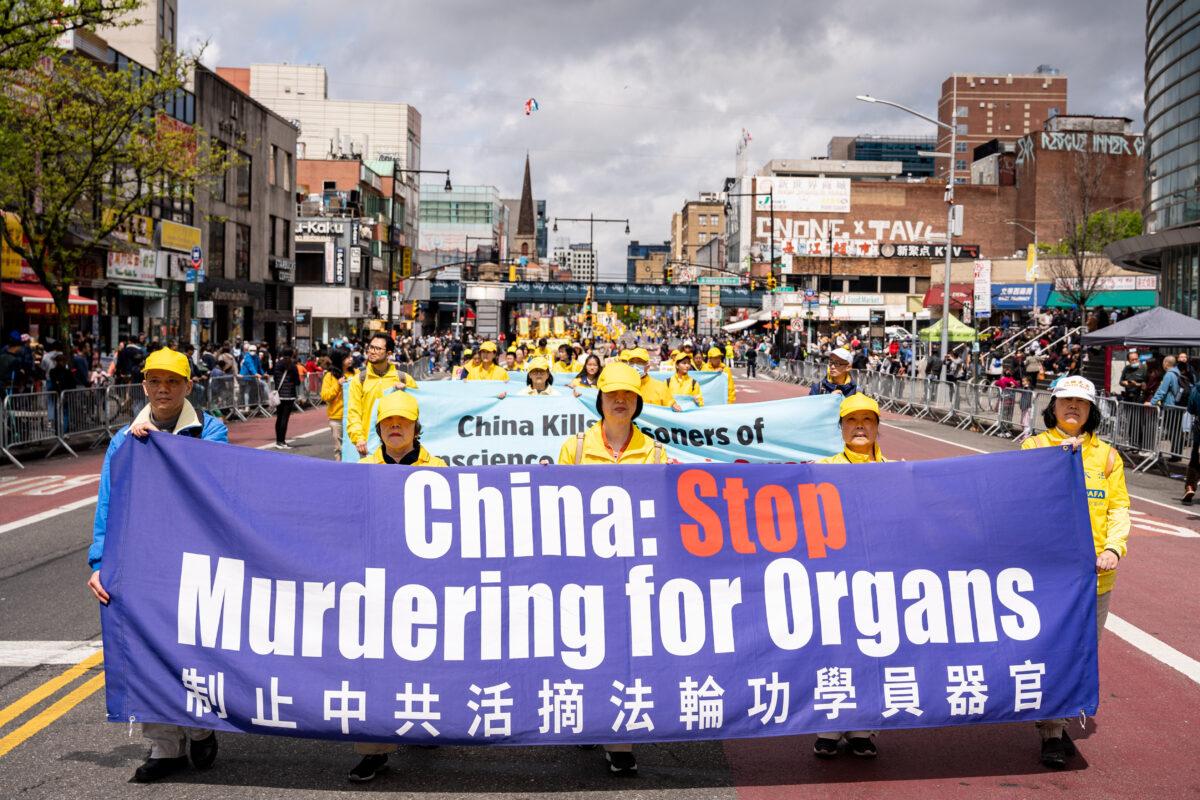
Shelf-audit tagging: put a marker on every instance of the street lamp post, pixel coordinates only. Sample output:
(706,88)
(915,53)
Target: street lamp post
(953,128)
(591,219)
(1032,232)
(449,187)
(462,274)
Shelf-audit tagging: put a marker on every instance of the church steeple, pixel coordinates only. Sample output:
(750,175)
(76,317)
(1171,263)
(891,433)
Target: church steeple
(524,242)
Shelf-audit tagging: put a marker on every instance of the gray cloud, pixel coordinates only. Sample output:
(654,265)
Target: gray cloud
(642,102)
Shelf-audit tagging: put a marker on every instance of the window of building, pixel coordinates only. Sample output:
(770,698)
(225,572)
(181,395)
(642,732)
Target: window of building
(895,284)
(220,187)
(703,237)
(241,180)
(960,147)
(1053,112)
(962,129)
(960,164)
(824,282)
(285,180)
(271,165)
(169,31)
(273,249)
(216,249)
(286,248)
(241,252)
(863,283)
(269,295)
(963,111)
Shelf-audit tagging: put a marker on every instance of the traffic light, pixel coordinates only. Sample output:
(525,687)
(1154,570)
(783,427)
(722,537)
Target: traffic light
(415,308)
(512,273)
(771,281)
(670,274)
(608,308)
(753,285)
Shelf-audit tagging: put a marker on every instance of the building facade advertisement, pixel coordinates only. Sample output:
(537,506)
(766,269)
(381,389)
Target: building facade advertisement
(1127,283)
(983,288)
(132,266)
(330,261)
(355,260)
(934,251)
(821,248)
(876,230)
(173,236)
(824,195)
(339,265)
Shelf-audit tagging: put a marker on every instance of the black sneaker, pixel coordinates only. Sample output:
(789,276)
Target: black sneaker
(368,768)
(825,748)
(1054,753)
(204,751)
(155,769)
(621,764)
(863,747)
(1068,745)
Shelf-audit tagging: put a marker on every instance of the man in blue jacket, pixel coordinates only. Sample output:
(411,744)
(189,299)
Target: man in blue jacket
(167,381)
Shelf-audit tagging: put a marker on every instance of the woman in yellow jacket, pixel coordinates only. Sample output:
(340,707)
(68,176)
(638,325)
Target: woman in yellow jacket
(859,417)
(715,364)
(1072,420)
(615,440)
(400,433)
(487,368)
(683,384)
(339,370)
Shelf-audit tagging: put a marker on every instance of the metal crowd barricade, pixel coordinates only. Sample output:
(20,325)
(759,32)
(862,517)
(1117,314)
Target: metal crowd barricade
(29,419)
(199,396)
(81,411)
(122,403)
(1173,440)
(312,387)
(941,400)
(261,391)
(1137,433)
(223,396)
(985,408)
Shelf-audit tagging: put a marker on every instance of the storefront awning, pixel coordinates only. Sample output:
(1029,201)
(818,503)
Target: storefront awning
(1144,298)
(1018,296)
(740,325)
(37,299)
(959,293)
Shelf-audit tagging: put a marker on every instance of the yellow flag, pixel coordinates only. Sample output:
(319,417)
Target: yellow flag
(1031,265)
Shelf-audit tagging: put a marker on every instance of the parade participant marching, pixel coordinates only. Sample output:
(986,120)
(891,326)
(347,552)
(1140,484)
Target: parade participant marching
(859,420)
(715,364)
(653,391)
(837,379)
(615,440)
(564,360)
(538,380)
(399,430)
(488,369)
(167,381)
(590,372)
(1072,419)
(510,358)
(470,364)
(681,383)
(379,375)
(340,370)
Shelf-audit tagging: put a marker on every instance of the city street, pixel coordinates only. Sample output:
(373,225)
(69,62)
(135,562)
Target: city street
(54,742)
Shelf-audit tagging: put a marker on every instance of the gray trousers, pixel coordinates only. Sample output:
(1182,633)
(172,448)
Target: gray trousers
(335,428)
(169,741)
(1054,728)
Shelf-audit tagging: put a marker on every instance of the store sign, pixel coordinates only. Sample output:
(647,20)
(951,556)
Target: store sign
(983,288)
(877,230)
(204,309)
(172,266)
(901,250)
(1122,283)
(284,269)
(138,228)
(173,236)
(838,248)
(133,266)
(12,266)
(355,260)
(823,195)
(862,299)
(339,266)
(320,227)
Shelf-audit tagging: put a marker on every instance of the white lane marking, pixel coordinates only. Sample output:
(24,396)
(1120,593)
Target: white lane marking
(35,654)
(309,435)
(1159,526)
(1156,649)
(45,515)
(977,450)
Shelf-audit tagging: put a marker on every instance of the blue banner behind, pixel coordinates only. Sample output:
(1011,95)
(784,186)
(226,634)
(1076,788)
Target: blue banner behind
(594,604)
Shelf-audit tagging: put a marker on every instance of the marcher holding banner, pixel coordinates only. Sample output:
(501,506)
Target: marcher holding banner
(859,417)
(682,384)
(837,379)
(653,391)
(488,369)
(167,381)
(590,372)
(1072,419)
(715,364)
(538,380)
(379,375)
(564,360)
(339,370)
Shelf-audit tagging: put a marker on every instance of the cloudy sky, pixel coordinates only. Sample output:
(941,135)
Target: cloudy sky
(642,101)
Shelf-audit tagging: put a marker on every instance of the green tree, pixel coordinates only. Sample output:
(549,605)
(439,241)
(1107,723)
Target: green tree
(84,147)
(29,28)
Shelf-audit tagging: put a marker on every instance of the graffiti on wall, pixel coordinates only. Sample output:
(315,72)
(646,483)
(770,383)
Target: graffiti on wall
(1112,144)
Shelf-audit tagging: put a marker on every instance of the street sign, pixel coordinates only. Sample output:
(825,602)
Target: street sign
(197,257)
(784,289)
(719,280)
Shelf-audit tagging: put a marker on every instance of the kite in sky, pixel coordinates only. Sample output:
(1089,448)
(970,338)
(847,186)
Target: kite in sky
(531,105)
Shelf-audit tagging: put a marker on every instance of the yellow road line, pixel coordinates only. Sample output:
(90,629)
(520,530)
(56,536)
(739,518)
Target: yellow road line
(37,695)
(47,717)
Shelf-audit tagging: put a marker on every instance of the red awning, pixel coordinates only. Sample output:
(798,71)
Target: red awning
(37,299)
(959,293)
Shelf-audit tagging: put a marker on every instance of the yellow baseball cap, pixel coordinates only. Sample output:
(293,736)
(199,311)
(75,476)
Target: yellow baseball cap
(715,351)
(512,348)
(487,346)
(466,351)
(624,356)
(639,353)
(169,360)
(397,404)
(619,377)
(538,362)
(858,402)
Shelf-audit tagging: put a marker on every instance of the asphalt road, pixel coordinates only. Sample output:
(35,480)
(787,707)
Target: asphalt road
(54,742)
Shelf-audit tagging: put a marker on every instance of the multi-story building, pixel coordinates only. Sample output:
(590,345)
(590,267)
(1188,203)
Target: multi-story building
(870,147)
(246,221)
(639,252)
(579,259)
(464,224)
(700,221)
(144,31)
(1170,243)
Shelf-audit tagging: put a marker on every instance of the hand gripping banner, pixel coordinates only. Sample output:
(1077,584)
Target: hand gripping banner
(526,605)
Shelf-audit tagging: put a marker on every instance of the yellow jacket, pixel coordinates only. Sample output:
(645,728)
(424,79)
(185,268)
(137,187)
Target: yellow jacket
(485,373)
(1108,499)
(681,387)
(728,377)
(848,456)
(572,367)
(656,393)
(640,450)
(331,395)
(423,459)
(365,389)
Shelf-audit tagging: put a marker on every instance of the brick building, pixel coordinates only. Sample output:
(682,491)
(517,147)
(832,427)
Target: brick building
(1004,107)
(700,221)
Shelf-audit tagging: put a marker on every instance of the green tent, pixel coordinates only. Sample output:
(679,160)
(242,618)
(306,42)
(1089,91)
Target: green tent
(959,331)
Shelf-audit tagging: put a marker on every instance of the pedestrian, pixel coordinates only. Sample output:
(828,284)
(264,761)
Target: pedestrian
(837,375)
(615,440)
(286,378)
(1193,470)
(1072,419)
(751,362)
(1033,367)
(859,422)
(716,363)
(377,376)
(167,381)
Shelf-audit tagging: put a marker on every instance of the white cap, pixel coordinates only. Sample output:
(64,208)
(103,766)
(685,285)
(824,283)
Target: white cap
(1076,386)
(843,354)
